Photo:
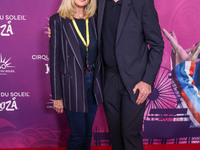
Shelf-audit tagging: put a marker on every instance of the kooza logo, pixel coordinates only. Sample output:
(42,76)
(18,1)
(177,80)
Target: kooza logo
(6,29)
(9,105)
(5,63)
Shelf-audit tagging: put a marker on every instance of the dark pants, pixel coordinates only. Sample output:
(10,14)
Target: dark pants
(81,123)
(124,117)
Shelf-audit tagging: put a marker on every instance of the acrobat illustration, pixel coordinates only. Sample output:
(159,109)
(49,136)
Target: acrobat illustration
(186,75)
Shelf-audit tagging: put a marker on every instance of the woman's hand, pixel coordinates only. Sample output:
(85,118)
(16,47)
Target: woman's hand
(49,32)
(180,55)
(58,106)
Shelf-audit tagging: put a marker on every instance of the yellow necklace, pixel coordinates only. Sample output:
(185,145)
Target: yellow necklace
(81,36)
(83,40)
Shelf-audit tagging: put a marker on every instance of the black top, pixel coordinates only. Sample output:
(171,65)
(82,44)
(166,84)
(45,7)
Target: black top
(92,49)
(109,33)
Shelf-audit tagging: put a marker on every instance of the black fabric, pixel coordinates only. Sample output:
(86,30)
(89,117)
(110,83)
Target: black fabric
(124,117)
(138,27)
(109,33)
(92,50)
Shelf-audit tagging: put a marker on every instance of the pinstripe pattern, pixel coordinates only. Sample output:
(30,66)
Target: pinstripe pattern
(96,99)
(63,87)
(67,56)
(62,44)
(67,73)
(55,42)
(76,85)
(69,99)
(72,48)
(84,109)
(73,32)
(99,88)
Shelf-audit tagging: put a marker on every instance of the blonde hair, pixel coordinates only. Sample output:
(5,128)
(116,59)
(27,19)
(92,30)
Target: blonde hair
(66,9)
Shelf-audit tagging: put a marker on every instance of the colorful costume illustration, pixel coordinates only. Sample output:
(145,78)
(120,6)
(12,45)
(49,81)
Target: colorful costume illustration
(186,75)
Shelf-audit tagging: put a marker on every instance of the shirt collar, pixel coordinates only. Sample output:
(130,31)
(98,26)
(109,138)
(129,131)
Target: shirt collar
(118,2)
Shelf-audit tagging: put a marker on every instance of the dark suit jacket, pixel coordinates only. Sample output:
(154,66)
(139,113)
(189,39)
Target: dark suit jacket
(66,67)
(138,27)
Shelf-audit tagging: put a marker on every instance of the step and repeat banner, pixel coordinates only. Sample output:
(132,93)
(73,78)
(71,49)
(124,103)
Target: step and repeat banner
(26,115)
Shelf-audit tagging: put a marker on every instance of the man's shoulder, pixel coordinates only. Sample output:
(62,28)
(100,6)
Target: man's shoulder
(142,2)
(138,2)
(141,5)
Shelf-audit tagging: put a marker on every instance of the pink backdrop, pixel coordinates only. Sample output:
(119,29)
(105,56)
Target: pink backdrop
(26,116)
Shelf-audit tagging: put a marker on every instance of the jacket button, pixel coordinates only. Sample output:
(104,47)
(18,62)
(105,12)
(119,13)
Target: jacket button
(71,77)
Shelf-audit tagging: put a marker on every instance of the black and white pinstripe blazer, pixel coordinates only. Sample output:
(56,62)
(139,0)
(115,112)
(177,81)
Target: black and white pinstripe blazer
(66,66)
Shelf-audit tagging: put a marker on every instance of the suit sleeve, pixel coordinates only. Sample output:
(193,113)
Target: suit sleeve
(153,37)
(54,59)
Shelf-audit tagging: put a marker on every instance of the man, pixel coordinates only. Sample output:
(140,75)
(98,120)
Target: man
(126,31)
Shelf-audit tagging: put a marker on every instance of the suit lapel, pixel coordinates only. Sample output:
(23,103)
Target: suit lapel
(71,37)
(123,15)
(101,6)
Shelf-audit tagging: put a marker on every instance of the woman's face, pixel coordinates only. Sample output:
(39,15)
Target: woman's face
(81,3)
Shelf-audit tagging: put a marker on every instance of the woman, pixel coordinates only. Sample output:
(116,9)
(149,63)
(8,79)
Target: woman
(75,68)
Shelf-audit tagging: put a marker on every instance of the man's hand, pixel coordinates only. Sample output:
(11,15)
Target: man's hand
(144,91)
(58,106)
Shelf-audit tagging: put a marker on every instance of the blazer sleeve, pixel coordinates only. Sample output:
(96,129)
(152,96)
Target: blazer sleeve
(153,37)
(54,58)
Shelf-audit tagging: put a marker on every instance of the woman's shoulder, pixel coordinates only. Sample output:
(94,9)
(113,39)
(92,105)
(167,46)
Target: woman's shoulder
(55,17)
(58,18)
